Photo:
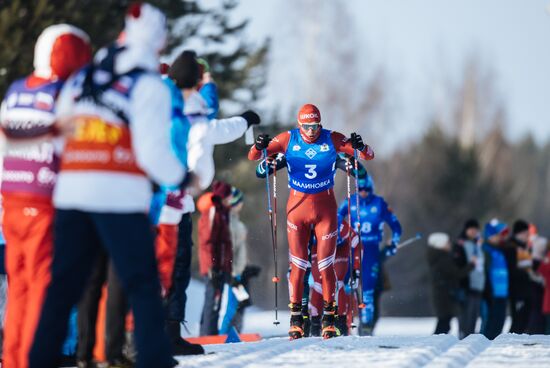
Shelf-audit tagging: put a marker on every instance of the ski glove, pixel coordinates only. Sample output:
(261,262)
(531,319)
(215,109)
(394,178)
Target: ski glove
(251,117)
(357,142)
(390,250)
(262,142)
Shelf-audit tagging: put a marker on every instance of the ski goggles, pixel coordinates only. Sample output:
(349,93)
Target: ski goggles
(312,126)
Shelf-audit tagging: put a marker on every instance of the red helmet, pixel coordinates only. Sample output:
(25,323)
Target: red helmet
(309,113)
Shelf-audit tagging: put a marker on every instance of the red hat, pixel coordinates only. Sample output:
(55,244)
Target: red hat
(309,113)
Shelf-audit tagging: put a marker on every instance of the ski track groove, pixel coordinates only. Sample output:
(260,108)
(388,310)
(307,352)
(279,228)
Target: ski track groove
(462,353)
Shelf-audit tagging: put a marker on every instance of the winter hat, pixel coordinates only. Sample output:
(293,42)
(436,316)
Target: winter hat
(471,223)
(221,189)
(60,50)
(185,70)
(520,226)
(494,227)
(145,27)
(236,197)
(309,114)
(438,240)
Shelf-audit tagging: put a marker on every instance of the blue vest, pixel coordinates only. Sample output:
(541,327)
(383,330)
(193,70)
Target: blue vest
(498,271)
(311,166)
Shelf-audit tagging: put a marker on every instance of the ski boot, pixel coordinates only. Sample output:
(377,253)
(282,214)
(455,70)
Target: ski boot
(329,319)
(315,329)
(342,325)
(179,345)
(365,329)
(307,324)
(296,330)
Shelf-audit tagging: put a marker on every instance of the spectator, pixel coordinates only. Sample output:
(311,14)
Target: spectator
(215,253)
(468,249)
(536,324)
(445,276)
(519,264)
(496,273)
(544,271)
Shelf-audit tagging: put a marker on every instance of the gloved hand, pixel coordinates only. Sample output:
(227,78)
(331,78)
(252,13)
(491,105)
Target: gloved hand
(262,141)
(251,117)
(390,249)
(204,65)
(355,277)
(357,142)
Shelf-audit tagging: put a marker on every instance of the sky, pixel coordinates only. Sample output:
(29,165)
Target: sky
(421,43)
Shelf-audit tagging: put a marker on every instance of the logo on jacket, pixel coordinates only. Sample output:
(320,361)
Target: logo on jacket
(296,148)
(311,153)
(324,147)
(373,210)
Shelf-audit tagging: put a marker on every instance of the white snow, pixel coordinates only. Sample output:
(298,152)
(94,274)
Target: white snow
(398,342)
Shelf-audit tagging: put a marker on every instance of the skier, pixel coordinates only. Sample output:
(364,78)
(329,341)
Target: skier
(27,112)
(115,114)
(347,238)
(373,213)
(311,153)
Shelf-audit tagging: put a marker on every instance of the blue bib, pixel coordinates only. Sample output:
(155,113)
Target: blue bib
(311,166)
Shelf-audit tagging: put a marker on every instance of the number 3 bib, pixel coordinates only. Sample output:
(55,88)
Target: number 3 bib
(311,166)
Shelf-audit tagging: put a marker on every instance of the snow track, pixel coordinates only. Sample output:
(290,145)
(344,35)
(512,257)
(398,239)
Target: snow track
(397,351)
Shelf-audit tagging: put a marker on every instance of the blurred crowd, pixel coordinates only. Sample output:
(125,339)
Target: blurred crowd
(488,272)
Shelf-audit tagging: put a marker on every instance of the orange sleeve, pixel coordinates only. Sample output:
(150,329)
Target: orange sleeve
(343,144)
(277,145)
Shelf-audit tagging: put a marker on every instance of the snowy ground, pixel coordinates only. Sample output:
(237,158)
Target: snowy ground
(398,342)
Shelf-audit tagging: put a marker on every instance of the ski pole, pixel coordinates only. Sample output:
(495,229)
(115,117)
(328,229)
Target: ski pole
(351,282)
(411,240)
(361,304)
(275,278)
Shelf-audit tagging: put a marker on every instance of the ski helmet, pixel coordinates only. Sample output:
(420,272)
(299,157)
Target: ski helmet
(366,184)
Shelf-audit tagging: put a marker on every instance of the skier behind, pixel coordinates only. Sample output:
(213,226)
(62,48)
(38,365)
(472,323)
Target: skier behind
(373,213)
(347,238)
(311,153)
(28,112)
(116,117)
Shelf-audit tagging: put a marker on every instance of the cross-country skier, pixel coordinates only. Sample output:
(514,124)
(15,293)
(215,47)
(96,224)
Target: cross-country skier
(28,111)
(374,212)
(311,153)
(347,238)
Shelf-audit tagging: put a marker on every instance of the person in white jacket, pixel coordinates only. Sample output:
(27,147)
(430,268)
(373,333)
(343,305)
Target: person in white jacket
(116,114)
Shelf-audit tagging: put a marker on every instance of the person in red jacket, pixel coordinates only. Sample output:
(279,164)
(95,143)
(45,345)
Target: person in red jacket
(29,175)
(215,251)
(311,153)
(544,271)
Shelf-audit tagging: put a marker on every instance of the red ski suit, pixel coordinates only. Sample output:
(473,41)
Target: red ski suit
(311,212)
(341,265)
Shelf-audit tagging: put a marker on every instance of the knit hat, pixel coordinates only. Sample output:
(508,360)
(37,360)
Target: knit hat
(520,226)
(471,223)
(221,189)
(494,227)
(236,197)
(145,27)
(438,240)
(185,70)
(309,114)
(60,50)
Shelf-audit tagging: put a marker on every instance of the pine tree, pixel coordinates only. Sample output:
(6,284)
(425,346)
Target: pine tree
(21,21)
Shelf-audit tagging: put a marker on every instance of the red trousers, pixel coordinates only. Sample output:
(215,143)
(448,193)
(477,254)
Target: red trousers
(27,225)
(307,213)
(341,265)
(166,247)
